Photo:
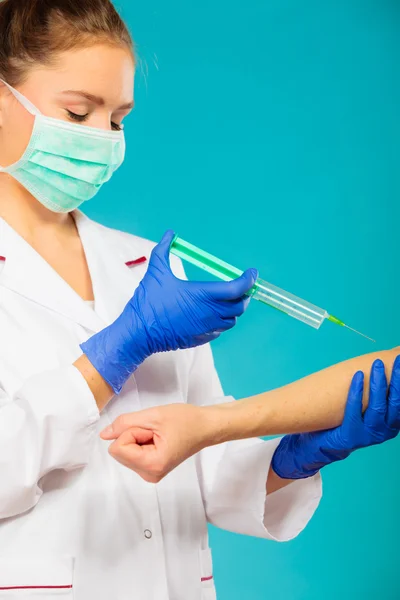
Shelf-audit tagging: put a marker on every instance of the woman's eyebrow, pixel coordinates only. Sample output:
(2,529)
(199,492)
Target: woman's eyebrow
(96,99)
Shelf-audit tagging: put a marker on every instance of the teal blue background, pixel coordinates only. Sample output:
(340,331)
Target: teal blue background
(267,132)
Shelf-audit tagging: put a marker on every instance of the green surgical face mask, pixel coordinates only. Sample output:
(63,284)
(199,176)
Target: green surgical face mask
(65,164)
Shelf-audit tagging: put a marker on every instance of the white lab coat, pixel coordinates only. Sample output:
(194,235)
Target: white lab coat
(74,522)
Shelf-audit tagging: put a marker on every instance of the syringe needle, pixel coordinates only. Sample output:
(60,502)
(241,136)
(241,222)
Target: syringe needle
(359,333)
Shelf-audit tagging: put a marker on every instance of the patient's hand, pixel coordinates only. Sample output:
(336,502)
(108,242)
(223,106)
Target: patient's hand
(154,441)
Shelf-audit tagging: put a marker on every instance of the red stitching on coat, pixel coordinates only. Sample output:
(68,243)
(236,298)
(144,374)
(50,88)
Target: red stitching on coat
(137,261)
(207,578)
(2,258)
(38,587)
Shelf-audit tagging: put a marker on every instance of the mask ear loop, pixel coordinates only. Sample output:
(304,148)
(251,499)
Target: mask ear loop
(31,108)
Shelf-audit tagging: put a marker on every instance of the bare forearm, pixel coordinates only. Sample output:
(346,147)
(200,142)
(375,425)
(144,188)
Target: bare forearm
(312,403)
(275,483)
(100,389)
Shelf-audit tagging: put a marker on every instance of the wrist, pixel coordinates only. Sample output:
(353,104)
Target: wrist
(230,421)
(100,389)
(130,337)
(211,425)
(246,419)
(117,350)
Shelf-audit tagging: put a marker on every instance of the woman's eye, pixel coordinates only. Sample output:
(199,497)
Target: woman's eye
(82,118)
(75,117)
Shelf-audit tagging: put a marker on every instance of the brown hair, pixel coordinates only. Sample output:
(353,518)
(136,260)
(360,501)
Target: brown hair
(35,31)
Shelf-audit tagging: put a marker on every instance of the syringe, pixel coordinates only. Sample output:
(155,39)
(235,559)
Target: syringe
(262,290)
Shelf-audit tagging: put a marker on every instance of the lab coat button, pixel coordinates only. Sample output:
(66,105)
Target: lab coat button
(147,534)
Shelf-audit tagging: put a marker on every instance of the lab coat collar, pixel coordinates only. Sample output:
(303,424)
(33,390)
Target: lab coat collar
(28,274)
(107,253)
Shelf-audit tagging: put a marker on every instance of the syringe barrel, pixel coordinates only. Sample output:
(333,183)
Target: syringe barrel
(262,291)
(288,303)
(204,260)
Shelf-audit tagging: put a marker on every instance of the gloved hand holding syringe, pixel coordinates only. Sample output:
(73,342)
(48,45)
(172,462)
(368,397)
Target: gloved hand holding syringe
(262,290)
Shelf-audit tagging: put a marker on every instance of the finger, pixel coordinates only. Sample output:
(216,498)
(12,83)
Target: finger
(128,438)
(377,403)
(227,324)
(162,250)
(235,289)
(393,413)
(224,325)
(121,424)
(127,451)
(136,435)
(145,460)
(206,338)
(233,308)
(142,436)
(353,409)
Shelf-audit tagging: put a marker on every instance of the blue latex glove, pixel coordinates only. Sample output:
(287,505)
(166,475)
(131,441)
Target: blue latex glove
(303,455)
(166,313)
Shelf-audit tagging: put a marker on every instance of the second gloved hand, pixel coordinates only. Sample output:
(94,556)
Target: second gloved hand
(166,313)
(303,455)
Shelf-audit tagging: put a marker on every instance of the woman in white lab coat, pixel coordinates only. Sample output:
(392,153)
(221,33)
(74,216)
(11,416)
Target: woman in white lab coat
(87,319)
(72,519)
